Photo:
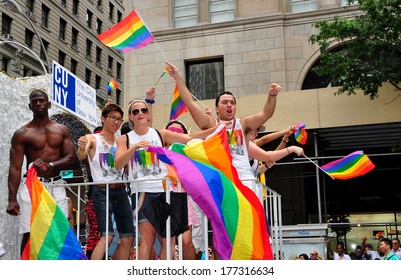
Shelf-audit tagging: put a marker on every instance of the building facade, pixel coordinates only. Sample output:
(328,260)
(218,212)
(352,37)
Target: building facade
(68,29)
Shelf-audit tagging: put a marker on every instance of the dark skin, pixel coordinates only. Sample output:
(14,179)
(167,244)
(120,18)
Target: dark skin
(40,141)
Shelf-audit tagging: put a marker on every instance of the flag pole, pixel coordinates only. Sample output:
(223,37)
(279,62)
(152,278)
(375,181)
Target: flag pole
(318,166)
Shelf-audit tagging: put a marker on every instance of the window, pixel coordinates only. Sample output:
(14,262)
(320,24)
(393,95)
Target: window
(110,64)
(74,66)
(4,63)
(205,78)
(98,80)
(119,16)
(29,38)
(185,13)
(42,52)
(99,26)
(61,58)
(63,26)
(221,10)
(118,96)
(111,11)
(88,74)
(88,48)
(98,56)
(299,6)
(89,18)
(74,38)
(75,4)
(5,24)
(29,5)
(64,3)
(118,74)
(45,16)
(345,2)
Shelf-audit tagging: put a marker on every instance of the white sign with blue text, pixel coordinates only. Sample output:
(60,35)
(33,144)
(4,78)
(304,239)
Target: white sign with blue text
(73,94)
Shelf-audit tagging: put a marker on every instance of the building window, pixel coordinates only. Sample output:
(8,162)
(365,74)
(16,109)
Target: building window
(110,64)
(111,11)
(88,48)
(185,13)
(300,6)
(89,18)
(63,26)
(4,64)
(61,58)
(119,16)
(29,5)
(75,4)
(74,66)
(42,52)
(118,96)
(98,56)
(205,78)
(99,26)
(29,38)
(74,38)
(64,3)
(345,2)
(98,81)
(222,10)
(88,74)
(45,16)
(5,24)
(118,72)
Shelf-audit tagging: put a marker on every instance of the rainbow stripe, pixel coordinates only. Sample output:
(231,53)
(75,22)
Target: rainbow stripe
(353,165)
(236,214)
(300,134)
(112,86)
(130,33)
(51,237)
(177,105)
(144,158)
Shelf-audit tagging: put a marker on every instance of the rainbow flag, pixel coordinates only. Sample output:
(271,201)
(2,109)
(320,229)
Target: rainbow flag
(112,86)
(353,165)
(379,235)
(144,158)
(51,237)
(236,214)
(177,105)
(300,134)
(130,33)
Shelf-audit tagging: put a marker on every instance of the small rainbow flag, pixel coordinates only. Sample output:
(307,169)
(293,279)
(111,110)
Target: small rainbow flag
(379,235)
(300,134)
(130,33)
(177,105)
(51,236)
(353,165)
(112,86)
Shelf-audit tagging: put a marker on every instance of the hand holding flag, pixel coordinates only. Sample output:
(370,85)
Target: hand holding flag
(300,134)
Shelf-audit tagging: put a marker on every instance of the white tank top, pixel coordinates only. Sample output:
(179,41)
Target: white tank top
(146,165)
(102,166)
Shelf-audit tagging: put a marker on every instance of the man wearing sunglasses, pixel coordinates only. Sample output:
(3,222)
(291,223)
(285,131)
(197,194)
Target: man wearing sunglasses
(100,151)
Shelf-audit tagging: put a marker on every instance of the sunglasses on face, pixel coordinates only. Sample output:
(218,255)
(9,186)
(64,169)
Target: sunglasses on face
(143,110)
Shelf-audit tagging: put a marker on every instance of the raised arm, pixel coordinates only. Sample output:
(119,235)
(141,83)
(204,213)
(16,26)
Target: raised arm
(170,137)
(272,156)
(150,99)
(201,118)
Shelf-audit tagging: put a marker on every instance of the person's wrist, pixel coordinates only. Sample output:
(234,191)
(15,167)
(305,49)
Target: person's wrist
(81,151)
(51,165)
(149,101)
(285,140)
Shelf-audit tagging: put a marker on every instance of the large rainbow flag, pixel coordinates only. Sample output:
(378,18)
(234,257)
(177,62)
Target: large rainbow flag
(353,165)
(51,237)
(130,33)
(235,212)
(177,105)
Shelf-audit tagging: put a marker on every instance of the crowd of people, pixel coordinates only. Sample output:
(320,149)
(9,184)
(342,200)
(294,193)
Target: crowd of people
(113,155)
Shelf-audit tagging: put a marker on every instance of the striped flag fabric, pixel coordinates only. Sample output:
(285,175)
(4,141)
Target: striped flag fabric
(177,105)
(354,165)
(130,33)
(112,85)
(51,236)
(300,134)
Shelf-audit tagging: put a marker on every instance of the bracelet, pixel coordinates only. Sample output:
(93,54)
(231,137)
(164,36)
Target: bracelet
(51,165)
(149,101)
(285,141)
(288,150)
(81,152)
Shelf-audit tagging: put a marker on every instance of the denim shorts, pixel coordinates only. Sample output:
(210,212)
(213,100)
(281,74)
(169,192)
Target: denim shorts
(142,199)
(119,206)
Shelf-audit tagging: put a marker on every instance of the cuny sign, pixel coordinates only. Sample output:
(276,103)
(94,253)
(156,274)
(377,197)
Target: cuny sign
(74,95)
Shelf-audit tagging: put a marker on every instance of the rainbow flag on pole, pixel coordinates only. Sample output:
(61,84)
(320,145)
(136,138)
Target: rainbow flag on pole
(300,134)
(177,105)
(235,212)
(353,165)
(51,237)
(130,33)
(112,86)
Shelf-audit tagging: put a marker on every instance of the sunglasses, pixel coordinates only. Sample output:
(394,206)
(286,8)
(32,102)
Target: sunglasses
(143,110)
(175,129)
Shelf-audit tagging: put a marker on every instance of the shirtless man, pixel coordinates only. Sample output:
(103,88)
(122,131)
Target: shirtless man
(48,146)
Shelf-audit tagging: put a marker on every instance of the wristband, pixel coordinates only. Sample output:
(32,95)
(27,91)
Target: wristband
(285,141)
(51,165)
(149,101)
(81,152)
